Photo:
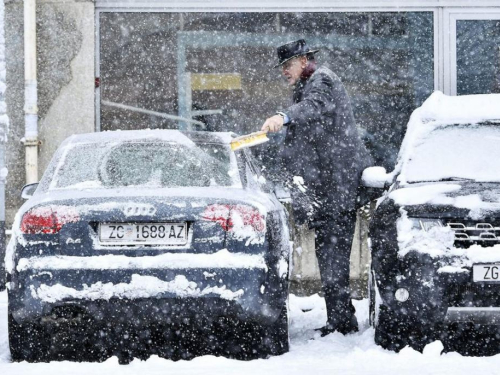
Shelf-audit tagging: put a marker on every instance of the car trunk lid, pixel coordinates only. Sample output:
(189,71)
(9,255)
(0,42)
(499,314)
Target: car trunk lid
(200,221)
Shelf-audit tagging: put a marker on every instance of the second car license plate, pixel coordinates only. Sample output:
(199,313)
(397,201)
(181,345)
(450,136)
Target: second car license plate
(143,234)
(486,272)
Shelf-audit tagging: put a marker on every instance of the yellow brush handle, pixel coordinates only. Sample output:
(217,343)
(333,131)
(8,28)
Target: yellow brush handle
(249,140)
(248,136)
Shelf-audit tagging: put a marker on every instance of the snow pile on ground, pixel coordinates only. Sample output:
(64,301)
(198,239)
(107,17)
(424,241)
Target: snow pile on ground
(139,287)
(309,353)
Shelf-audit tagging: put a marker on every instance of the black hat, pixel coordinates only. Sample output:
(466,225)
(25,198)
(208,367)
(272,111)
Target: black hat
(293,49)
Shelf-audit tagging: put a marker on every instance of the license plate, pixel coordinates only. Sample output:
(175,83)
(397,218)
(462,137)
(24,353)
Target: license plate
(143,234)
(486,272)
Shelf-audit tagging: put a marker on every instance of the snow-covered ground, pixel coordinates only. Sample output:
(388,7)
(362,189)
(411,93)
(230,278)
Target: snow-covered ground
(334,354)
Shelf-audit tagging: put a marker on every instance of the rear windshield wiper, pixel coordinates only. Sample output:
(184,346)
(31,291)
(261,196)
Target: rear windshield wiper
(456,179)
(443,180)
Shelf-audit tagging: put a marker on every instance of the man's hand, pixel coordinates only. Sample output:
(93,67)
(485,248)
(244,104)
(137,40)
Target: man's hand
(273,124)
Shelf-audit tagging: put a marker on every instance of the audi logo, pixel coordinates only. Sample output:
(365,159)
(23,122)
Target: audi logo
(139,210)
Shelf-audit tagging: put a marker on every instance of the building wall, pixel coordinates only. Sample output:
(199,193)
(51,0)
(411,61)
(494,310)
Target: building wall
(65,47)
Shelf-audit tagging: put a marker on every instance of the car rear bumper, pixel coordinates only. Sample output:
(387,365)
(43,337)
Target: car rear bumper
(448,299)
(476,315)
(145,295)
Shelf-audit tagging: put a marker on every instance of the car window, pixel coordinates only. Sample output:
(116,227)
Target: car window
(254,175)
(146,164)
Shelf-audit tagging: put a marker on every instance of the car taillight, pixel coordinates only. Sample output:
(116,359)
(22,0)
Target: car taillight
(218,213)
(235,217)
(47,220)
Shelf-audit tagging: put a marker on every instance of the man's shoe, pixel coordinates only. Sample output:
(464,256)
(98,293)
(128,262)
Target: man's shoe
(343,328)
(326,330)
(348,328)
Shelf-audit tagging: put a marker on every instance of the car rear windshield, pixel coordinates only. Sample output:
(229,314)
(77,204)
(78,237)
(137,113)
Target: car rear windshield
(146,164)
(468,152)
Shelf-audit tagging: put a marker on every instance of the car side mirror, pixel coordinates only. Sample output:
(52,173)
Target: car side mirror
(28,190)
(376,177)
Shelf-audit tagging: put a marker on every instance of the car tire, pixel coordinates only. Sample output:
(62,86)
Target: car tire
(391,333)
(394,332)
(275,337)
(252,340)
(271,339)
(27,342)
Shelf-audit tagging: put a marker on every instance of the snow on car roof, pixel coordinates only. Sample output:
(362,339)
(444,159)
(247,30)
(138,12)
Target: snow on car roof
(167,135)
(461,109)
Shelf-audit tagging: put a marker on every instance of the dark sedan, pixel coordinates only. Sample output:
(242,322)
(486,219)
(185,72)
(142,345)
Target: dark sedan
(143,236)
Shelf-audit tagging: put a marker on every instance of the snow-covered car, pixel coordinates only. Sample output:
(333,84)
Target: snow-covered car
(155,232)
(435,235)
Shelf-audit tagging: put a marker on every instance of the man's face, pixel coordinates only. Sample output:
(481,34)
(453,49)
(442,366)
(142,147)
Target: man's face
(293,68)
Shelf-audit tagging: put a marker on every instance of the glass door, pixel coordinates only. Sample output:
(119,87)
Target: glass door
(474,53)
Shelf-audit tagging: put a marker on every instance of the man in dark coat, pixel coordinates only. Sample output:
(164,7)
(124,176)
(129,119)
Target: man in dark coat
(323,158)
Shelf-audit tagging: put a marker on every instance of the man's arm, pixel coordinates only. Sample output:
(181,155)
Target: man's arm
(273,124)
(317,101)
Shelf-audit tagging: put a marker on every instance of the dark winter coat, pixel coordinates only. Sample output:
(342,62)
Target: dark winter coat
(322,146)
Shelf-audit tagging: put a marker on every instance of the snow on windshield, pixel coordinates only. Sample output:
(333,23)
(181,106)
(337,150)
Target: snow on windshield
(457,151)
(431,150)
(145,163)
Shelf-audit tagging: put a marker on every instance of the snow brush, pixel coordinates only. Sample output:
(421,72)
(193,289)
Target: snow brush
(249,140)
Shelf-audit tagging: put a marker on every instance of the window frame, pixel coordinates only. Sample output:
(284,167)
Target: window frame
(451,17)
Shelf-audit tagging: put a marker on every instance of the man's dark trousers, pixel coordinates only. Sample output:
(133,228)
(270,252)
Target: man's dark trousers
(333,250)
